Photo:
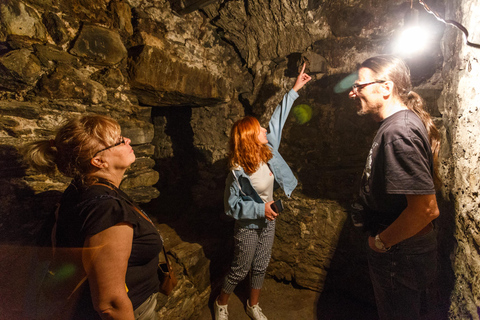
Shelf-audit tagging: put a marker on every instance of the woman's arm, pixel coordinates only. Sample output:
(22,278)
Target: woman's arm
(105,259)
(302,79)
(279,116)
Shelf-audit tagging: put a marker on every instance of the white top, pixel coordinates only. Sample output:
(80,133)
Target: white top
(262,180)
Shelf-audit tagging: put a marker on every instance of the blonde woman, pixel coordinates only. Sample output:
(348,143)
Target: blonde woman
(117,244)
(255,165)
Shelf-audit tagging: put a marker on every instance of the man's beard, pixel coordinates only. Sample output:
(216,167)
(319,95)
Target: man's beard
(361,112)
(370,109)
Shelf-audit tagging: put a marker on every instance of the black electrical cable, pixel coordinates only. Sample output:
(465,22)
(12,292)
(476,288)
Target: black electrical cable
(451,22)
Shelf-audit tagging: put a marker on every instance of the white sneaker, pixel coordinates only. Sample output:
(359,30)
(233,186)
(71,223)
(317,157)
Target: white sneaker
(255,312)
(221,312)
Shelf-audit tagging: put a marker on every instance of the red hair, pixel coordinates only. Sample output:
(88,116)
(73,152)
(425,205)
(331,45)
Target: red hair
(245,150)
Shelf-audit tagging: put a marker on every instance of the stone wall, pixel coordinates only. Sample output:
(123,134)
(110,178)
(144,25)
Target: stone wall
(461,155)
(176,82)
(60,59)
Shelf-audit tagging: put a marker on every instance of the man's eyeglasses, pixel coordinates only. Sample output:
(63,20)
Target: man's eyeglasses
(359,86)
(122,141)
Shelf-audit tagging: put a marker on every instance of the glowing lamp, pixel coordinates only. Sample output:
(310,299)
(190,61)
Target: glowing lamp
(413,40)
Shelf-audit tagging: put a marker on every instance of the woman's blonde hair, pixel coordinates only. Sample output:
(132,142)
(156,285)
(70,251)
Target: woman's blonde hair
(75,143)
(244,148)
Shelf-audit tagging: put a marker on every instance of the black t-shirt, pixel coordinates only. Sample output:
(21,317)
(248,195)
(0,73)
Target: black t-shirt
(400,162)
(87,211)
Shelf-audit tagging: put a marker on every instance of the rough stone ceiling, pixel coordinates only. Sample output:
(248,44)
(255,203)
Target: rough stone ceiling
(186,6)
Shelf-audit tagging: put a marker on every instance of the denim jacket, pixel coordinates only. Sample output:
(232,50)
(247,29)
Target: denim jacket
(241,201)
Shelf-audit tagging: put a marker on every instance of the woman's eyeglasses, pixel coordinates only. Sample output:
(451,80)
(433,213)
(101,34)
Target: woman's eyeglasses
(122,141)
(359,86)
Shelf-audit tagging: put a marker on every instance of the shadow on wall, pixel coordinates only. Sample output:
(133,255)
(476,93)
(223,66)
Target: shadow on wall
(445,225)
(178,173)
(348,295)
(191,195)
(25,218)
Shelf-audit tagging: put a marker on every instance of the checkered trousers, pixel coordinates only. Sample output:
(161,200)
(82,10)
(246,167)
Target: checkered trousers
(253,249)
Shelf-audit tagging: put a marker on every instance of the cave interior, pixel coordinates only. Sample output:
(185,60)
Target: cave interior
(177,74)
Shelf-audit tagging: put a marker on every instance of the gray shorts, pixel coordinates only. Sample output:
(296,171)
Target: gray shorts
(146,311)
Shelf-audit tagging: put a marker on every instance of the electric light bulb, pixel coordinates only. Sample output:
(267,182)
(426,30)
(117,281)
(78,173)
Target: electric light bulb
(412,40)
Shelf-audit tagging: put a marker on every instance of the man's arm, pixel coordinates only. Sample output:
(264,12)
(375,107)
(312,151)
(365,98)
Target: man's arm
(420,211)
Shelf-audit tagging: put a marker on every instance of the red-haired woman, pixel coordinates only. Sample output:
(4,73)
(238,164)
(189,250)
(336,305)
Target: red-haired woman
(255,165)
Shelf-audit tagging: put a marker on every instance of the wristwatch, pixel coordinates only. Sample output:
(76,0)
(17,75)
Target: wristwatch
(379,244)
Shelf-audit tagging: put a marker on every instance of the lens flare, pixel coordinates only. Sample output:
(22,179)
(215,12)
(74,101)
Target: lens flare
(302,113)
(65,272)
(346,83)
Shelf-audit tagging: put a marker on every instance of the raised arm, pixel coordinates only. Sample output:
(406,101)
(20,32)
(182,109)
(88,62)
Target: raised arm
(279,116)
(105,259)
(302,79)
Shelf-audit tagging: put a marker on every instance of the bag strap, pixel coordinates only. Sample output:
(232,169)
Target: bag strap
(166,259)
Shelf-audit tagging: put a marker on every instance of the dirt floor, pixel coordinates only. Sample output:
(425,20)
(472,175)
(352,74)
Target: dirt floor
(282,301)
